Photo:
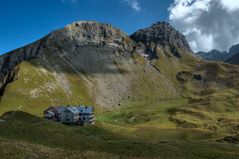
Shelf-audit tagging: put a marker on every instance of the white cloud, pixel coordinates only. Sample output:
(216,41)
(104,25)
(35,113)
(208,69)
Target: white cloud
(207,24)
(134,4)
(231,5)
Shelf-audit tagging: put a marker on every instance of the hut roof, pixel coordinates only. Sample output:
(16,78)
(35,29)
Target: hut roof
(73,109)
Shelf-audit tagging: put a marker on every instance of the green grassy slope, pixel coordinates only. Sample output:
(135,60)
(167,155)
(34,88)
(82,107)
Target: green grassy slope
(49,139)
(37,88)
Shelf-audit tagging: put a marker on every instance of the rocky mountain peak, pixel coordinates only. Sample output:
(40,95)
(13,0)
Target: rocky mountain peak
(162,34)
(91,33)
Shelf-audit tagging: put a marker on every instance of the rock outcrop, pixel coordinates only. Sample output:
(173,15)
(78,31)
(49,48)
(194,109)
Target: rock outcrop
(85,33)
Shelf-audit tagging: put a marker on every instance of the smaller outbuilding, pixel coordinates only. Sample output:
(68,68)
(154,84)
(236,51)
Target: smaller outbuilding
(53,113)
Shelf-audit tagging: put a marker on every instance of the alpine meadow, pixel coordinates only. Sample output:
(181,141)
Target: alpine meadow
(152,96)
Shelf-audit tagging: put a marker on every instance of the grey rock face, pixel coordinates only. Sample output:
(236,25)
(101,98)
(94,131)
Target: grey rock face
(91,33)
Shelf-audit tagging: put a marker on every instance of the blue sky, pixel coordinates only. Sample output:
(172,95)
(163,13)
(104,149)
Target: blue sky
(24,21)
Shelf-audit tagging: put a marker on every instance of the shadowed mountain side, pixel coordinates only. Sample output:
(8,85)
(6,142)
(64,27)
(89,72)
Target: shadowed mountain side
(88,60)
(61,80)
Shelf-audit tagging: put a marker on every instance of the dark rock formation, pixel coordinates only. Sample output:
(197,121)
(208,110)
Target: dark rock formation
(229,139)
(234,50)
(162,35)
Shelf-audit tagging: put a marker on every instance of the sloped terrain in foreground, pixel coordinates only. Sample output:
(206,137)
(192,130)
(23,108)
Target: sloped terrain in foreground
(33,137)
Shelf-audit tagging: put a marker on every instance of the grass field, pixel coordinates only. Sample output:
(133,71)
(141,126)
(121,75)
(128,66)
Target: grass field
(141,129)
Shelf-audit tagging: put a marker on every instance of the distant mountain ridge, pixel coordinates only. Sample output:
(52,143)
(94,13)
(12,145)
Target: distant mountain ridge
(216,55)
